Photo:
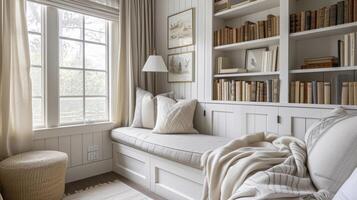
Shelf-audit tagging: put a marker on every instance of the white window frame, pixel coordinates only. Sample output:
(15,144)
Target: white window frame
(50,69)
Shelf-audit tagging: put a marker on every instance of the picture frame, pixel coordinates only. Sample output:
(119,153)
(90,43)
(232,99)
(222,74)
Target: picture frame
(181,29)
(181,67)
(254,59)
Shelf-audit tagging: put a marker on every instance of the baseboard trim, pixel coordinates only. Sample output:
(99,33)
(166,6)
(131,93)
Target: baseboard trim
(89,170)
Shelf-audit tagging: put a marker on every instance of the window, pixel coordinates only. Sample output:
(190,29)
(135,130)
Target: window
(79,63)
(35,28)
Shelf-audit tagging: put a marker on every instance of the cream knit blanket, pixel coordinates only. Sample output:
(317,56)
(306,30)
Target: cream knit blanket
(259,166)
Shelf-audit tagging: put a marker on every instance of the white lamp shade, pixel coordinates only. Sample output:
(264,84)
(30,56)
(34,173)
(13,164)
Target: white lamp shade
(155,64)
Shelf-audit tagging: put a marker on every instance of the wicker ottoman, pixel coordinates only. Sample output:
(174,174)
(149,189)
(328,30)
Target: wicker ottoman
(36,175)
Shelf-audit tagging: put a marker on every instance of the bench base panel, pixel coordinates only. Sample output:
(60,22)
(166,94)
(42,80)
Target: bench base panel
(166,178)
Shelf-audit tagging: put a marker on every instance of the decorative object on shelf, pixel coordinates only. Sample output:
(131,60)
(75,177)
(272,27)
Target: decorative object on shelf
(254,59)
(181,29)
(341,13)
(249,31)
(251,91)
(224,66)
(181,67)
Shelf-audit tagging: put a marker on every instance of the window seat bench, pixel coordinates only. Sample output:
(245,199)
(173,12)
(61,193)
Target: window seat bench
(166,164)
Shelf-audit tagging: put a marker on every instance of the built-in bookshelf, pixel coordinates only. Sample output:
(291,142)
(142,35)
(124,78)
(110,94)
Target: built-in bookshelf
(295,47)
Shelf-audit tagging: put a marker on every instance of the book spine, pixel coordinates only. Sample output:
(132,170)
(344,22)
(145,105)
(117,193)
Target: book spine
(302,93)
(327,93)
(354,10)
(253,96)
(340,12)
(297,91)
(309,93)
(351,93)
(333,15)
(346,12)
(320,93)
(352,49)
(344,95)
(292,92)
(276,90)
(238,91)
(314,92)
(355,93)
(346,50)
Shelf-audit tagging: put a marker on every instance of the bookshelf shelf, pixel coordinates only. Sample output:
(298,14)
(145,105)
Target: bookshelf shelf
(246,74)
(323,70)
(249,44)
(324,32)
(250,8)
(243,103)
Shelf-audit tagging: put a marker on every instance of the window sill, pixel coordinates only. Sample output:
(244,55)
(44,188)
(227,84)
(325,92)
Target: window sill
(72,130)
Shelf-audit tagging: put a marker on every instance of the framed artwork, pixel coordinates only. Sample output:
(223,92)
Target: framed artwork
(181,29)
(181,67)
(254,59)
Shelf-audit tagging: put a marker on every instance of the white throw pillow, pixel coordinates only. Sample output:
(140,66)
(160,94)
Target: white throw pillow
(348,190)
(332,150)
(175,117)
(145,109)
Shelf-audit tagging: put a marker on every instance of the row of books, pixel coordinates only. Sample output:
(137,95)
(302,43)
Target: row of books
(340,13)
(347,50)
(313,92)
(252,91)
(249,31)
(349,93)
(220,5)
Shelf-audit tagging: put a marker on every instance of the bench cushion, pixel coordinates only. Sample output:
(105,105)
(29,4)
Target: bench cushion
(183,148)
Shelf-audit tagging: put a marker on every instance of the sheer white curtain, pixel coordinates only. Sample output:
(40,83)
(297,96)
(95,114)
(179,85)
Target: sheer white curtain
(136,30)
(15,83)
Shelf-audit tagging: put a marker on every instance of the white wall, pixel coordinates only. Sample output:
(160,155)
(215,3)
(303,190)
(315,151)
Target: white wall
(75,141)
(165,8)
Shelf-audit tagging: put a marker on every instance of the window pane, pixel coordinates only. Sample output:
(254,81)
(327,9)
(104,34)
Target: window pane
(71,24)
(71,110)
(37,112)
(35,49)
(71,54)
(71,82)
(96,109)
(36,77)
(95,83)
(95,56)
(33,12)
(95,29)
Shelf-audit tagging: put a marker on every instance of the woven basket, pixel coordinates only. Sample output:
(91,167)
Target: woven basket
(37,175)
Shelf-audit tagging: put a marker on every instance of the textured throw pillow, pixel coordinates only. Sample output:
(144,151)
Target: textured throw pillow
(145,109)
(175,117)
(332,149)
(348,190)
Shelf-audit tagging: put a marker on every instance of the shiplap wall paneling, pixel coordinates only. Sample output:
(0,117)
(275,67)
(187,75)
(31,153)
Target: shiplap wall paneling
(76,146)
(186,90)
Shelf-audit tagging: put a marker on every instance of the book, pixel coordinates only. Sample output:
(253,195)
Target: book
(253,92)
(352,53)
(340,12)
(346,51)
(354,10)
(314,92)
(333,15)
(327,17)
(309,93)
(355,93)
(327,92)
(269,90)
(346,11)
(292,92)
(320,93)
(302,93)
(344,95)
(297,92)
(340,51)
(313,19)
(238,91)
(351,93)
(275,87)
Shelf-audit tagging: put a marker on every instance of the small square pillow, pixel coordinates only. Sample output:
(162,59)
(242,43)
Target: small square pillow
(175,117)
(145,109)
